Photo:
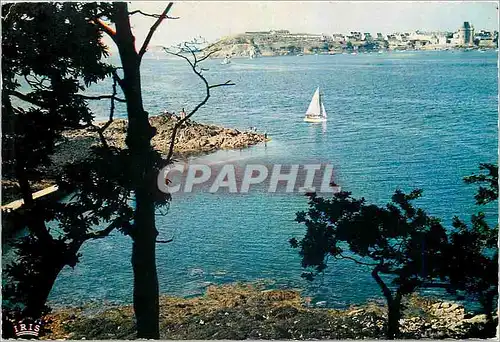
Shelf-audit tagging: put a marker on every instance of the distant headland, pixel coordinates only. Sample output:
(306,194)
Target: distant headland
(283,42)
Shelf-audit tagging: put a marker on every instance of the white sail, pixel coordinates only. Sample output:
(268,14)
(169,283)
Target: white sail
(315,106)
(316,111)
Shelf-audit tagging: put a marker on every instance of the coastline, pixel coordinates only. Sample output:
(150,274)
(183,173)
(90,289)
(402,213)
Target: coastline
(252,311)
(253,44)
(245,55)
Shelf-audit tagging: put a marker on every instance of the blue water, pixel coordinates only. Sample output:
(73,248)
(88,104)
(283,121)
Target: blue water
(396,120)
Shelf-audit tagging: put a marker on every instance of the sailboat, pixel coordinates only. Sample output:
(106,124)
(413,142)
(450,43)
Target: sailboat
(316,111)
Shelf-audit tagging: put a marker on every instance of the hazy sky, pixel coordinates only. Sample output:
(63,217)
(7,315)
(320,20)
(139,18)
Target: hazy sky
(215,19)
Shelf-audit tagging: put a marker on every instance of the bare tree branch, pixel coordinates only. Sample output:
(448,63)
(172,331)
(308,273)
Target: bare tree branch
(188,48)
(194,65)
(38,103)
(210,53)
(152,30)
(106,231)
(100,130)
(116,77)
(179,54)
(119,221)
(341,256)
(101,97)
(154,15)
(35,82)
(112,106)
(221,84)
(106,28)
(26,98)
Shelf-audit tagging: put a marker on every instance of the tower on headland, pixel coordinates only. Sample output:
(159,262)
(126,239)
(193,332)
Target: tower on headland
(466,34)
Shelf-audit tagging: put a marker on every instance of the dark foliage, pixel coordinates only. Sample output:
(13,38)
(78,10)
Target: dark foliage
(473,251)
(398,240)
(55,50)
(412,248)
(52,52)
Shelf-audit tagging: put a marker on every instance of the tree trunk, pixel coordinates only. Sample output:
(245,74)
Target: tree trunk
(37,297)
(393,306)
(488,305)
(146,302)
(394,315)
(139,134)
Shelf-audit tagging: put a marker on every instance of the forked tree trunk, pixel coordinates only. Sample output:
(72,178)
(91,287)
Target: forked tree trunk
(139,134)
(393,306)
(38,295)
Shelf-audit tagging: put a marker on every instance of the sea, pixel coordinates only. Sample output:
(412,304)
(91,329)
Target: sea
(396,120)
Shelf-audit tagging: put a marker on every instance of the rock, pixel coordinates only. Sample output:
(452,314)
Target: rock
(354,312)
(445,305)
(320,304)
(478,319)
(191,138)
(447,311)
(436,305)
(285,312)
(447,320)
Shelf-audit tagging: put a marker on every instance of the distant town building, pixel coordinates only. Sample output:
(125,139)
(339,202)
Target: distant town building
(258,32)
(443,40)
(367,37)
(324,38)
(282,32)
(356,35)
(484,38)
(405,36)
(338,37)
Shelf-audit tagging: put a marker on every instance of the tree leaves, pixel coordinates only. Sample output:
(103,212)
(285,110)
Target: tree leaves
(406,243)
(398,236)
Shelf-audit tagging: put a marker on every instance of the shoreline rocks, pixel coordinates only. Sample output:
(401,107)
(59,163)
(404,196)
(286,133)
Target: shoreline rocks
(253,311)
(192,138)
(444,319)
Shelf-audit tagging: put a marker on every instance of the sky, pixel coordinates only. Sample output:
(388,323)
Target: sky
(213,20)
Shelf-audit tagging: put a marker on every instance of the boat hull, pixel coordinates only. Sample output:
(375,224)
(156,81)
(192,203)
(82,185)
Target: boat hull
(314,120)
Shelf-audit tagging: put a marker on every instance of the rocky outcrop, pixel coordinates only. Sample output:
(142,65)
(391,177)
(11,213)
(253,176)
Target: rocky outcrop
(192,138)
(270,43)
(445,320)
